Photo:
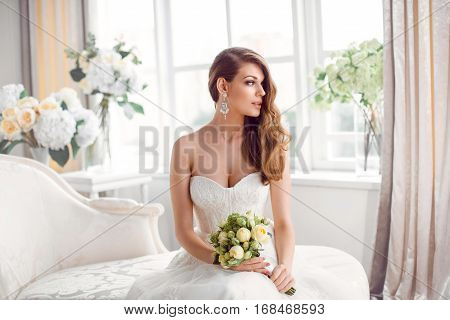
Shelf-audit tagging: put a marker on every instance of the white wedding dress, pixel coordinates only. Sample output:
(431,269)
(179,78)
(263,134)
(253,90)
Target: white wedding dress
(319,272)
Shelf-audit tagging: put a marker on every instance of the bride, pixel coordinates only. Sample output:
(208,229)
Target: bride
(232,164)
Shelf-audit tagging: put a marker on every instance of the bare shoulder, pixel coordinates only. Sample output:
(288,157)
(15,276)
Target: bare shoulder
(183,153)
(186,142)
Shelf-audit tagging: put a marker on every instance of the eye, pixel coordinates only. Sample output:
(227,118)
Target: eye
(253,82)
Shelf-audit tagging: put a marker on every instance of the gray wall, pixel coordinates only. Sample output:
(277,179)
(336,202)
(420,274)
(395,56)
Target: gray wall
(10,63)
(10,52)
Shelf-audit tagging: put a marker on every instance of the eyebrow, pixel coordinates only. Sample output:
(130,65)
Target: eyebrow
(250,76)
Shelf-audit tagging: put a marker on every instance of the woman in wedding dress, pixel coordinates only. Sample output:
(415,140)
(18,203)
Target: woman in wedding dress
(233,164)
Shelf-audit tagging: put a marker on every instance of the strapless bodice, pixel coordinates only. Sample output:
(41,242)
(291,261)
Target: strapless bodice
(213,202)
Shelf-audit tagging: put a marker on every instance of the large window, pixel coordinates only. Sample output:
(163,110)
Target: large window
(339,23)
(178,40)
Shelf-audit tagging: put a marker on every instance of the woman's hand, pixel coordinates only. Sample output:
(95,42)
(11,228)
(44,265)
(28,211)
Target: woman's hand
(256,264)
(282,278)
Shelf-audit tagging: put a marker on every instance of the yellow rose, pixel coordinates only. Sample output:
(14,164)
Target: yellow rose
(9,128)
(259,233)
(243,234)
(26,119)
(10,113)
(27,102)
(237,252)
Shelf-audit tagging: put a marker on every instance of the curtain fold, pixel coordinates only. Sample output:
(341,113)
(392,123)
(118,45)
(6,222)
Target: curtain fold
(52,25)
(412,240)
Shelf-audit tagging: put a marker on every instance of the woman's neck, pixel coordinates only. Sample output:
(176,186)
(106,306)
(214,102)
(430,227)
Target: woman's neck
(230,128)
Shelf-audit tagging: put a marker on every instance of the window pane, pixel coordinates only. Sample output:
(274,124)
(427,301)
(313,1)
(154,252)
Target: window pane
(134,22)
(262,25)
(341,118)
(341,149)
(194,104)
(347,21)
(284,78)
(199,30)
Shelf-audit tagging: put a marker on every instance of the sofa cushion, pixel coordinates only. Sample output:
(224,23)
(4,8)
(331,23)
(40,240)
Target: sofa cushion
(107,280)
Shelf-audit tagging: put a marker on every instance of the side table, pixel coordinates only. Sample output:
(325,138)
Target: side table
(93,182)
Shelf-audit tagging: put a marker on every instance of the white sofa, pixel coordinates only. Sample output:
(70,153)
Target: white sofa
(57,244)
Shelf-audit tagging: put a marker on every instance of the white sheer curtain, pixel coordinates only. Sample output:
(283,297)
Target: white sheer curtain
(416,174)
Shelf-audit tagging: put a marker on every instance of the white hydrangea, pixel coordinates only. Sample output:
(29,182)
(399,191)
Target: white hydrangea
(9,95)
(70,98)
(55,129)
(352,74)
(89,130)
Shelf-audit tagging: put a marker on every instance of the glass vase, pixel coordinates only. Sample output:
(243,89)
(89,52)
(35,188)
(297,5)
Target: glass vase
(41,154)
(97,157)
(368,145)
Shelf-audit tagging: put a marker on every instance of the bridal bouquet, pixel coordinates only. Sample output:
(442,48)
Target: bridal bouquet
(242,237)
(53,123)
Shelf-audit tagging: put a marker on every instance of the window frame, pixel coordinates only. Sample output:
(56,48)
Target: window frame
(307,53)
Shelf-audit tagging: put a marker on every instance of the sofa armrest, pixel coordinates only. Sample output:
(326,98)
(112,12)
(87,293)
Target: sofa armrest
(128,208)
(125,206)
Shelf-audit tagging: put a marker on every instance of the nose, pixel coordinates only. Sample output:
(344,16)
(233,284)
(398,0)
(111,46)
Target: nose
(261,90)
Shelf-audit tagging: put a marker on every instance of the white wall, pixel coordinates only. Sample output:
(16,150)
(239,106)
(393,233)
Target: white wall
(346,217)
(10,60)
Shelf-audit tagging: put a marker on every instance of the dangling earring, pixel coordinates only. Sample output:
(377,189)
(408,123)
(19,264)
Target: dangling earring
(224,106)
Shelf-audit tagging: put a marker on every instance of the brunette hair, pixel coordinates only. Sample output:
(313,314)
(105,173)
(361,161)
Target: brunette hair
(265,139)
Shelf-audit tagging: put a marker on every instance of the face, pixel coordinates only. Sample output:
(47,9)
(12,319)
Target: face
(245,92)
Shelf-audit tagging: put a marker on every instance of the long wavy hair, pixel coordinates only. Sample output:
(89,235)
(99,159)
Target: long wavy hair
(265,139)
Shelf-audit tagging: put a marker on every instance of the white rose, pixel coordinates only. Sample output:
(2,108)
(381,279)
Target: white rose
(223,236)
(27,102)
(259,233)
(243,234)
(26,119)
(237,252)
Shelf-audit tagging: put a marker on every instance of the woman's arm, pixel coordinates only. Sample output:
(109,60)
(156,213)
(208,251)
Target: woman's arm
(180,173)
(281,209)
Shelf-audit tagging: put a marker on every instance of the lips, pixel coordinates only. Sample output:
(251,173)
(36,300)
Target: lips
(258,104)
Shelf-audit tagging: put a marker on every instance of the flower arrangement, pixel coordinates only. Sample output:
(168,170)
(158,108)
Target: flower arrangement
(53,123)
(241,237)
(111,73)
(355,75)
